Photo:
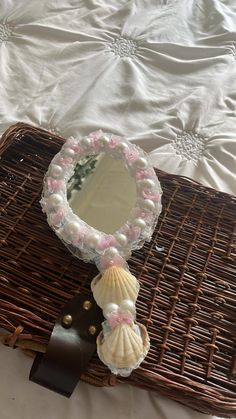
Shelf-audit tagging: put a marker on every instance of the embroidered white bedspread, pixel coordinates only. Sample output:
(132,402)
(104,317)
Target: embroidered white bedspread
(162,73)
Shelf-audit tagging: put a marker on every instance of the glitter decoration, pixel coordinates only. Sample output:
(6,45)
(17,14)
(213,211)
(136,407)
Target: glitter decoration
(189,145)
(123,47)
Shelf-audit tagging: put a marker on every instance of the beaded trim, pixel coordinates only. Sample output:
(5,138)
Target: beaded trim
(83,240)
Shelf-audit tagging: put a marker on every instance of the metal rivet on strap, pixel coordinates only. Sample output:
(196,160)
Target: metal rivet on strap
(87,305)
(92,329)
(67,320)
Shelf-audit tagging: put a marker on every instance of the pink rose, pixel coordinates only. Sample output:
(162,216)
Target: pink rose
(57,217)
(120,317)
(114,142)
(54,185)
(146,173)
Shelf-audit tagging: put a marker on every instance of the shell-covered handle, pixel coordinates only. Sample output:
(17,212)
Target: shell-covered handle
(123,343)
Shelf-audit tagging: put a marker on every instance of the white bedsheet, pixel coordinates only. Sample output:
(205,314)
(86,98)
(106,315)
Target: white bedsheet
(161,72)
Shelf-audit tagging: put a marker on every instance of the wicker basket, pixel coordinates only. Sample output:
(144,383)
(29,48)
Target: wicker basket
(187,276)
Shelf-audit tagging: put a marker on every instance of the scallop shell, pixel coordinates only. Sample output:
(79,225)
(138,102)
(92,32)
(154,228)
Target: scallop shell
(123,347)
(115,285)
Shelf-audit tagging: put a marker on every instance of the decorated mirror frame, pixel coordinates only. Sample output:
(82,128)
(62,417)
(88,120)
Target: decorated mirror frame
(123,343)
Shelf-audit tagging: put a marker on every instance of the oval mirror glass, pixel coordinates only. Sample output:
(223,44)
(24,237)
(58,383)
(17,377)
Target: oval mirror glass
(102,192)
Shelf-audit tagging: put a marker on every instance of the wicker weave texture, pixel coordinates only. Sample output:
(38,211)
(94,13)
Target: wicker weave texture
(187,276)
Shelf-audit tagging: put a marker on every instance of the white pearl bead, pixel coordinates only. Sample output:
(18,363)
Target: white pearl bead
(111,252)
(148,204)
(68,152)
(56,171)
(147,183)
(121,238)
(128,305)
(85,141)
(139,222)
(109,308)
(54,200)
(140,163)
(92,240)
(122,146)
(72,228)
(104,139)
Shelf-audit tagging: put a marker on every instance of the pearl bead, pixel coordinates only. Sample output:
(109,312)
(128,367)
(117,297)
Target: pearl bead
(104,139)
(122,146)
(140,163)
(111,252)
(139,222)
(92,240)
(147,183)
(128,305)
(121,238)
(68,152)
(56,171)
(148,204)
(72,228)
(109,308)
(85,141)
(54,200)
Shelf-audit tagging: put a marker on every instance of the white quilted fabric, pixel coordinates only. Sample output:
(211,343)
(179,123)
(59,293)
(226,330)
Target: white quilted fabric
(161,72)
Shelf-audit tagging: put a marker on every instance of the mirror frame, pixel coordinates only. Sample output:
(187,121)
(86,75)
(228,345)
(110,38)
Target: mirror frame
(83,240)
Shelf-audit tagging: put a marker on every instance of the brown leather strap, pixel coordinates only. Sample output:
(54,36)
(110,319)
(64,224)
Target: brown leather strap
(71,346)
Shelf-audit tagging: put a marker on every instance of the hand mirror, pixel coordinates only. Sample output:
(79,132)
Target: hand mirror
(102,198)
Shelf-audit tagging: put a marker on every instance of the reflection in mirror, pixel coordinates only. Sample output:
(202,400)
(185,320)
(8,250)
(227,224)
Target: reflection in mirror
(102,192)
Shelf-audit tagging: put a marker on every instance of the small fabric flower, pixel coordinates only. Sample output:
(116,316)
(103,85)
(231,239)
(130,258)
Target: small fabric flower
(57,218)
(94,136)
(114,142)
(54,185)
(64,161)
(131,155)
(106,242)
(146,173)
(120,317)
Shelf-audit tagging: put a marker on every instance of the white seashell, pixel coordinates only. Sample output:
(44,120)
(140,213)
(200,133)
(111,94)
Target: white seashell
(115,285)
(123,347)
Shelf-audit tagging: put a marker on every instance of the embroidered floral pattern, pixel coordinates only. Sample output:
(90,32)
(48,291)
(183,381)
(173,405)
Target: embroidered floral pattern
(123,47)
(189,145)
(6,31)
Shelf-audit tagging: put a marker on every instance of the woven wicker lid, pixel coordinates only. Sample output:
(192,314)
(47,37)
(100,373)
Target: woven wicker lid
(186,273)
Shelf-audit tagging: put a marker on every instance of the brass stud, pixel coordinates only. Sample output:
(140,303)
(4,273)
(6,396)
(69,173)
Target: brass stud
(92,330)
(87,305)
(67,320)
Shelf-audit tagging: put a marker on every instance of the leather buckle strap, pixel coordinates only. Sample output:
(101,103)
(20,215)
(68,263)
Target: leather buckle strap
(71,346)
